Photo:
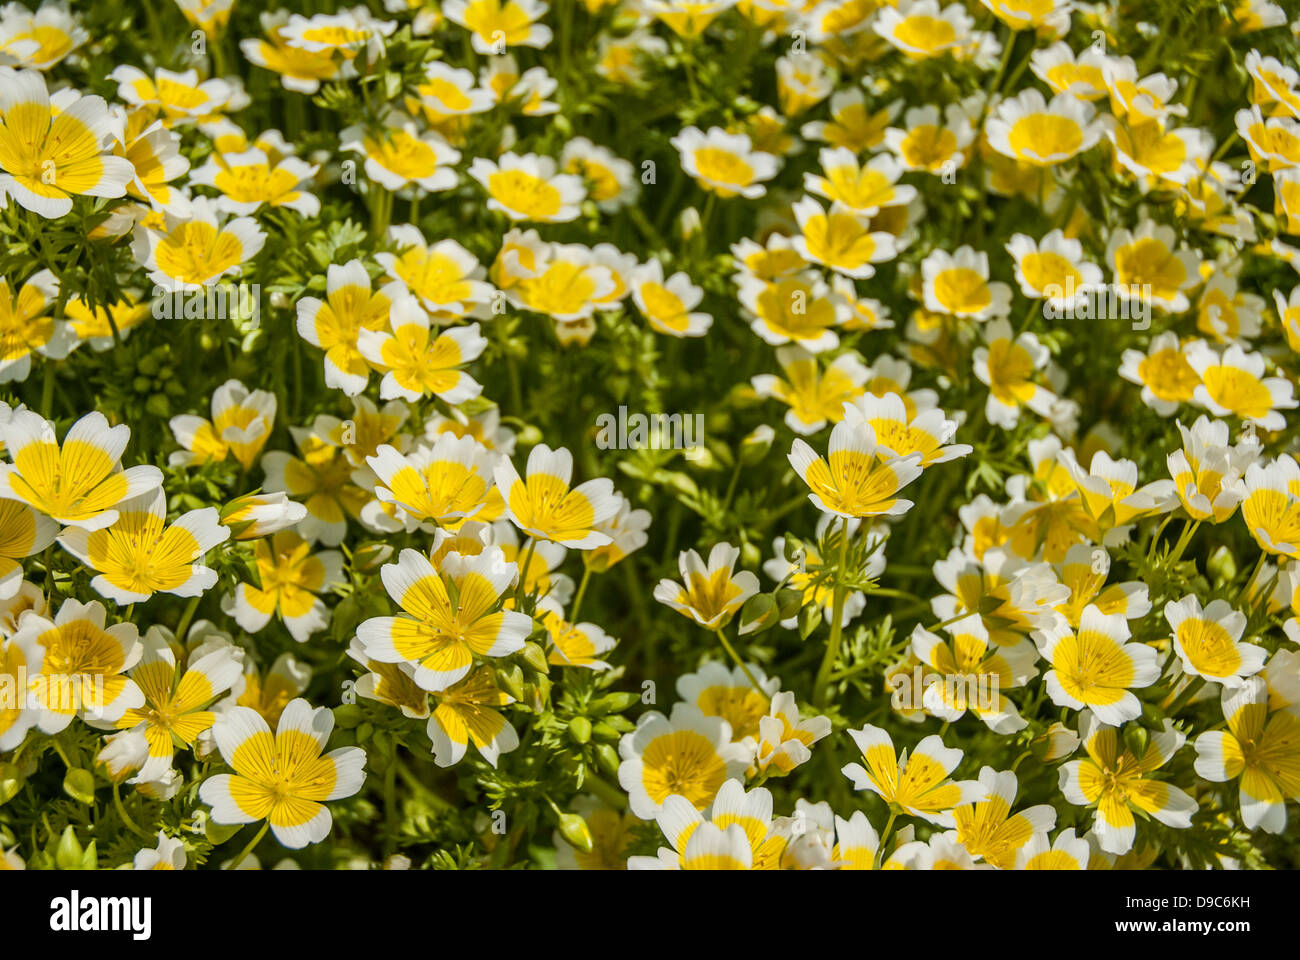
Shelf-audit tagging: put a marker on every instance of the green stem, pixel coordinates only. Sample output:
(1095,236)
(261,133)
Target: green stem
(884,837)
(47,388)
(1183,540)
(234,864)
(186,617)
(739,662)
(582,591)
(523,567)
(1155,540)
(1189,691)
(126,818)
(254,842)
(1244,599)
(820,685)
(604,791)
(731,485)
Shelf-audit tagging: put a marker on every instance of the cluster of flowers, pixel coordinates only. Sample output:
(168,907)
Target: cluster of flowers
(790,215)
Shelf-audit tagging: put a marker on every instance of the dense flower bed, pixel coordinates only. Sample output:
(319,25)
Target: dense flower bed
(649,433)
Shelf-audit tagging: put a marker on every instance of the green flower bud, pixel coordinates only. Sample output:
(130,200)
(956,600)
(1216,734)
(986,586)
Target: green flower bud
(580,729)
(575,831)
(79,784)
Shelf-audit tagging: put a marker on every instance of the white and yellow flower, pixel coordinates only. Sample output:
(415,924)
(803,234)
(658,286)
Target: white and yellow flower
(1164,373)
(785,737)
(497,25)
(958,284)
(669,305)
(1032,130)
(990,831)
(446,277)
(348,32)
(322,479)
(800,308)
(611,181)
(1158,157)
(283,777)
(417,363)
(738,833)
(79,484)
(920,29)
(469,713)
(1139,101)
(1117,782)
(1007,365)
(398,154)
(1150,267)
(899,434)
(300,70)
(1274,143)
(858,478)
(79,665)
(565,281)
(241,424)
(335,323)
(710,594)
(571,644)
(440,630)
(55,148)
(852,125)
(1081,75)
(290,578)
(1233,384)
(686,18)
(686,754)
(917,781)
(154,152)
(140,555)
(249,179)
(1207,471)
(1096,667)
(28,325)
(168,855)
(39,40)
(840,239)
(971,674)
(1208,641)
(1050,18)
(724,163)
(177,698)
(445,484)
(1261,749)
(448,91)
(1066,852)
(814,397)
(1271,509)
(529,188)
(1053,269)
(180,98)
(199,251)
(545,506)
(931,142)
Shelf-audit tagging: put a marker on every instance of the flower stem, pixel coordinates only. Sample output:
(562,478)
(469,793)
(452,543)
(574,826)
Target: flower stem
(740,663)
(186,617)
(582,591)
(126,817)
(820,685)
(884,837)
(523,567)
(234,864)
